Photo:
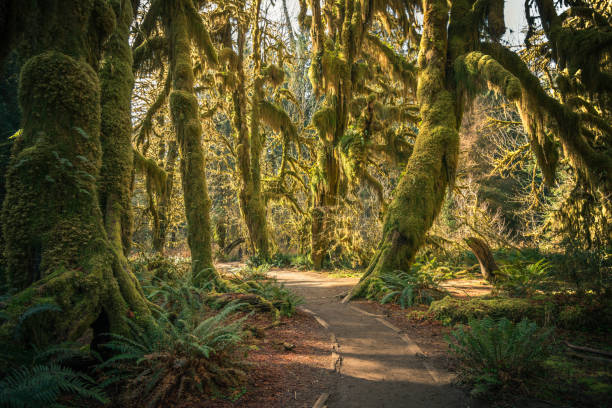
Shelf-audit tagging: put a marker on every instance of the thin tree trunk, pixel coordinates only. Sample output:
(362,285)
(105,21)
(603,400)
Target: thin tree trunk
(249,150)
(160,233)
(186,119)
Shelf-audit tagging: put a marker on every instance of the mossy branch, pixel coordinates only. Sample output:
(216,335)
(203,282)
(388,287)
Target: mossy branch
(199,33)
(476,65)
(148,56)
(147,122)
(276,117)
(155,175)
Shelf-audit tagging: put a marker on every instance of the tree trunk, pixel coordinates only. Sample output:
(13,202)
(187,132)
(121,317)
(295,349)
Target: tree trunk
(56,239)
(431,167)
(483,253)
(117,82)
(160,232)
(186,119)
(249,149)
(325,202)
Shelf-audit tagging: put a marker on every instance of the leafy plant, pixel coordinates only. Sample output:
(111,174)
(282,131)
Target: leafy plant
(419,286)
(520,279)
(41,377)
(498,353)
(42,385)
(255,281)
(184,355)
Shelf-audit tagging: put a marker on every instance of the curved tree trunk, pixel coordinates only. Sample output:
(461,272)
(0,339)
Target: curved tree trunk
(184,110)
(483,253)
(56,240)
(431,167)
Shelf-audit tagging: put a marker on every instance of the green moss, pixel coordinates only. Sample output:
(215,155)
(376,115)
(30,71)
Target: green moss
(462,310)
(274,74)
(184,112)
(117,81)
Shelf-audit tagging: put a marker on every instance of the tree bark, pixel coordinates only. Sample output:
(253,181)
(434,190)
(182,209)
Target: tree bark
(483,253)
(184,111)
(160,232)
(249,148)
(431,167)
(57,247)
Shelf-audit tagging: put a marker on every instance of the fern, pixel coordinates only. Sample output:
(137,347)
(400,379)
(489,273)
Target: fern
(520,279)
(407,289)
(42,385)
(498,353)
(155,364)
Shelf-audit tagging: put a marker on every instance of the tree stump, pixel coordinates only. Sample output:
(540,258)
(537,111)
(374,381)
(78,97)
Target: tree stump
(483,253)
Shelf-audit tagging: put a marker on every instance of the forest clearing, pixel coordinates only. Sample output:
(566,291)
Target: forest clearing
(311,203)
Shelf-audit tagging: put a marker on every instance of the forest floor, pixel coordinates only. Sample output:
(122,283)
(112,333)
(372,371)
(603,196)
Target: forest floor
(367,355)
(368,360)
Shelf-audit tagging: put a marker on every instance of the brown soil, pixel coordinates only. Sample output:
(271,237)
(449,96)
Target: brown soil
(280,377)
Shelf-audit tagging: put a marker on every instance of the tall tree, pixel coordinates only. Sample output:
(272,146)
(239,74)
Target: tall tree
(182,26)
(345,60)
(459,51)
(57,248)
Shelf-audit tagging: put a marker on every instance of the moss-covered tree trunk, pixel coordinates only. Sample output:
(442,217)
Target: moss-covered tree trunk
(160,232)
(184,110)
(325,202)
(431,167)
(249,150)
(56,242)
(117,82)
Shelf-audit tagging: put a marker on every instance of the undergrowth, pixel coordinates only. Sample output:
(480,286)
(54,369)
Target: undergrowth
(499,354)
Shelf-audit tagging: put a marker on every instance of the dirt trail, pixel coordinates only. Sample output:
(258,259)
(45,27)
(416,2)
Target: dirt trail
(379,367)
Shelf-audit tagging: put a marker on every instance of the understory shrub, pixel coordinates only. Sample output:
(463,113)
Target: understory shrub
(419,286)
(519,279)
(499,354)
(255,281)
(184,356)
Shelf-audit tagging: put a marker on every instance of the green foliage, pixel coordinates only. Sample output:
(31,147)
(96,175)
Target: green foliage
(585,269)
(42,377)
(255,281)
(419,286)
(522,280)
(186,354)
(500,353)
(408,289)
(42,385)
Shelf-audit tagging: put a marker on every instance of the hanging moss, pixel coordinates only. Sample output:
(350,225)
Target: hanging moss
(325,122)
(276,117)
(155,175)
(274,74)
(391,62)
